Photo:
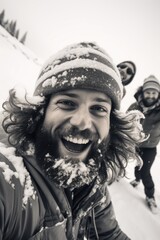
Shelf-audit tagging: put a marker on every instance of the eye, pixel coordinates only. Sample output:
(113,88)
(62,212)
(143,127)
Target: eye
(99,110)
(66,104)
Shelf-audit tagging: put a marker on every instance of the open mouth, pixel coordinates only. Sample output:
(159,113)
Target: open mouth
(76,145)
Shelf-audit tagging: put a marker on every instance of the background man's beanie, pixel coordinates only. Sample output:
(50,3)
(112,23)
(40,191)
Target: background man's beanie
(151,83)
(83,66)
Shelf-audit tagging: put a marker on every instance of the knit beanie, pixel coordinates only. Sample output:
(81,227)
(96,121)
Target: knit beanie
(151,83)
(81,66)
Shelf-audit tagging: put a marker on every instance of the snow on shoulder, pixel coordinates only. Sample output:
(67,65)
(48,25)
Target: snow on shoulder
(20,172)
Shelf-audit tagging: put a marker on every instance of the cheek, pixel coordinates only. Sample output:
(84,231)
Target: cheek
(49,120)
(53,119)
(144,96)
(103,128)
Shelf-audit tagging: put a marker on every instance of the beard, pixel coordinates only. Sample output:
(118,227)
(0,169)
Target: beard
(69,172)
(149,103)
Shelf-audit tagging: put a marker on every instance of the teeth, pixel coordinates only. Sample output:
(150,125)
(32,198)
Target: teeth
(76,140)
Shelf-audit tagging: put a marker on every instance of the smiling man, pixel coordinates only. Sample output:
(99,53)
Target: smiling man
(148,102)
(83,117)
(69,139)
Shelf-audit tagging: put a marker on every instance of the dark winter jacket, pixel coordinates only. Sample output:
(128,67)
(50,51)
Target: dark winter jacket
(33,208)
(151,124)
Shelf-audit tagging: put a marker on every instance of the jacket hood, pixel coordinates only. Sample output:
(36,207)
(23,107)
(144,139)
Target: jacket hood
(138,93)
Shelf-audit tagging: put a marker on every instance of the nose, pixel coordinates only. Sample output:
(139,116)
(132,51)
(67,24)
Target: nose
(151,95)
(81,119)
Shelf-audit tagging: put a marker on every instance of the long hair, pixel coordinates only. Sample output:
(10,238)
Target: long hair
(125,135)
(23,117)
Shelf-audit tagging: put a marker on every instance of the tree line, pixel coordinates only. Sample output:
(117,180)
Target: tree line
(11,27)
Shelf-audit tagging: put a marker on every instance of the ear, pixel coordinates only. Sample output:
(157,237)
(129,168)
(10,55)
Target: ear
(127,71)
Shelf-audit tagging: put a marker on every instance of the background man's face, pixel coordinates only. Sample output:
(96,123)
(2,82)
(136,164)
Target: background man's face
(150,96)
(126,71)
(75,120)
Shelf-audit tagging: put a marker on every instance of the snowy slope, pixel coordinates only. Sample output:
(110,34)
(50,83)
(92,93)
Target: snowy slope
(132,213)
(131,210)
(19,65)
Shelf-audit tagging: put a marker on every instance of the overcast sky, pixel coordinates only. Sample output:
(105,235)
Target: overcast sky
(126,29)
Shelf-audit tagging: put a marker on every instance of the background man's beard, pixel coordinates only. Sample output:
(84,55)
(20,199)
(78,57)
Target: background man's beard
(68,173)
(148,103)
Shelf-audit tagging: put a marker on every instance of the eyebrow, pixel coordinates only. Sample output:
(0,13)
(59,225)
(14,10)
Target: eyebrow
(103,100)
(97,99)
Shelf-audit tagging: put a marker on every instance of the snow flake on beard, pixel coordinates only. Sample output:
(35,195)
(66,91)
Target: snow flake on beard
(71,173)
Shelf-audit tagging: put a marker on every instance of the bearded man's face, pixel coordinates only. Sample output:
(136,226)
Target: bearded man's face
(150,97)
(76,120)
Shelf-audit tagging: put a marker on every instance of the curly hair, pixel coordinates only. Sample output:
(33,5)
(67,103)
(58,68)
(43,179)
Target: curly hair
(125,135)
(22,118)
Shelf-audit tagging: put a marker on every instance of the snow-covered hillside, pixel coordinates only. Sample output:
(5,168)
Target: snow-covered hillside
(19,65)
(130,207)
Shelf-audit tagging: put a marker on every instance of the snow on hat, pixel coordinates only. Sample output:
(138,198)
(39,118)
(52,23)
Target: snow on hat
(81,66)
(151,83)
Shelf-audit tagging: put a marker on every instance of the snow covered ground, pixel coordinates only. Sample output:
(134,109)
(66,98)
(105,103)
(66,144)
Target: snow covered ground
(131,210)
(19,65)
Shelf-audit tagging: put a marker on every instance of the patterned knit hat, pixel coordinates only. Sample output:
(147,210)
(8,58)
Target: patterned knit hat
(151,83)
(81,66)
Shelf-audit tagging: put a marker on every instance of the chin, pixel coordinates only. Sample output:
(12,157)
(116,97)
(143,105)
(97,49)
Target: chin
(149,103)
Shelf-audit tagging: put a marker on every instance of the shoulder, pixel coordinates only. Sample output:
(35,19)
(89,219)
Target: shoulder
(15,180)
(9,179)
(3,134)
(133,106)
(10,186)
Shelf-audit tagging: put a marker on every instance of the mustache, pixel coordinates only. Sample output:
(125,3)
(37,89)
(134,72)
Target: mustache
(74,132)
(153,98)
